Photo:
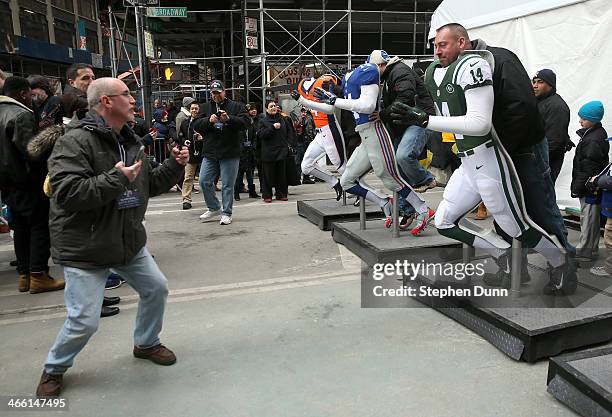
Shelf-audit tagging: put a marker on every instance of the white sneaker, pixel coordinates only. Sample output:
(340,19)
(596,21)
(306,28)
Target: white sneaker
(225,219)
(210,215)
(599,271)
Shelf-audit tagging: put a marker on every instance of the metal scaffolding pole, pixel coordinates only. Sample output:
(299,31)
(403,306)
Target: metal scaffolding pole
(350,37)
(223,61)
(245,52)
(414,28)
(381,32)
(263,52)
(233,61)
(113,47)
(307,49)
(205,67)
(302,26)
(323,4)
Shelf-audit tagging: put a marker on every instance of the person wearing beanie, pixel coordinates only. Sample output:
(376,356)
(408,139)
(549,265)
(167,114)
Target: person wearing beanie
(556,115)
(590,160)
(184,114)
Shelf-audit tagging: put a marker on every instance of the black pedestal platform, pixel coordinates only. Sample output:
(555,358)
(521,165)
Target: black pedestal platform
(534,326)
(376,244)
(583,381)
(323,212)
(515,326)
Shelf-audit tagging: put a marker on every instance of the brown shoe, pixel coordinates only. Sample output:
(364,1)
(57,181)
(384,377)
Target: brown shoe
(49,385)
(431,184)
(159,354)
(24,283)
(42,282)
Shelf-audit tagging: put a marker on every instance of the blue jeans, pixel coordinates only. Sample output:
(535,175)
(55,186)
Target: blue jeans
(407,155)
(227,170)
(539,192)
(83,297)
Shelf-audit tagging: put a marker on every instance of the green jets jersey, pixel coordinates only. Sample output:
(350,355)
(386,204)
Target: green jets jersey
(468,71)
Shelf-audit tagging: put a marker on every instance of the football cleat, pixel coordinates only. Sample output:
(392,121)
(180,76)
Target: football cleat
(422,221)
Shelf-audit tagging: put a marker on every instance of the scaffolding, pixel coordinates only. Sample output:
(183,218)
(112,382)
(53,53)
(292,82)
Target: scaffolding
(285,45)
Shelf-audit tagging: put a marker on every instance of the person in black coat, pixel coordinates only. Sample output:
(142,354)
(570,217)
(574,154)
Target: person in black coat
(47,106)
(248,159)
(556,116)
(274,137)
(591,159)
(194,144)
(222,126)
(21,182)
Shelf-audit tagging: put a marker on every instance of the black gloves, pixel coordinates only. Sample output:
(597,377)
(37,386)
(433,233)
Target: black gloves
(323,96)
(295,95)
(569,145)
(403,114)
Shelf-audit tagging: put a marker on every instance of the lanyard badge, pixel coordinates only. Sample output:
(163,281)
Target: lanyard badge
(130,198)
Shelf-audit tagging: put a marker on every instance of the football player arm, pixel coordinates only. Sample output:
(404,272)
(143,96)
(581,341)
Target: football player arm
(478,117)
(366,103)
(316,106)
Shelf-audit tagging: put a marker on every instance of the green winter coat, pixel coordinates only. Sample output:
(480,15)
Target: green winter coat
(87,229)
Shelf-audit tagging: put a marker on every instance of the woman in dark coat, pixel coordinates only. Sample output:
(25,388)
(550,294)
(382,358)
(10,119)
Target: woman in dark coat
(274,136)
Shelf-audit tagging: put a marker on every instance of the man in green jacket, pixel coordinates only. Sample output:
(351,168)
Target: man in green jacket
(100,189)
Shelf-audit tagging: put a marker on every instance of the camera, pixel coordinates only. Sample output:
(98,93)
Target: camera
(219,124)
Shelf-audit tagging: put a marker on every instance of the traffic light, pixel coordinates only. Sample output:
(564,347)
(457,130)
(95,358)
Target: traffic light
(173,73)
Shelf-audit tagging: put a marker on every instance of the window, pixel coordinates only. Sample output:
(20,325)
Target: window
(6,23)
(63,4)
(92,41)
(64,33)
(33,25)
(87,9)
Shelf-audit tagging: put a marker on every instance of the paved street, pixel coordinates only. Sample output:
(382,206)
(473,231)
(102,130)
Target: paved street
(264,316)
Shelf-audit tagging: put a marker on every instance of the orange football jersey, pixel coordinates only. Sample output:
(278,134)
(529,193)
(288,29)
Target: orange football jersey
(307,86)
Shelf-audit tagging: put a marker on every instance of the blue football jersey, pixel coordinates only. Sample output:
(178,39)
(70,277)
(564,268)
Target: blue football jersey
(365,74)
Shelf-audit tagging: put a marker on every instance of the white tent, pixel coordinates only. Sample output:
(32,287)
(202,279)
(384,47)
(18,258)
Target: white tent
(571,37)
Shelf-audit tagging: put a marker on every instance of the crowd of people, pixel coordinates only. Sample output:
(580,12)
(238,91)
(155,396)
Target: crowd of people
(77,170)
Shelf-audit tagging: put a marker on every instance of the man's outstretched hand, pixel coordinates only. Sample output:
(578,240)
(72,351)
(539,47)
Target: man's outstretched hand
(181,156)
(403,114)
(323,96)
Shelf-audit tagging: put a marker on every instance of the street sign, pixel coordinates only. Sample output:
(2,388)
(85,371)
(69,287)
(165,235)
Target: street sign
(167,11)
(144,3)
(250,24)
(251,42)
(148,40)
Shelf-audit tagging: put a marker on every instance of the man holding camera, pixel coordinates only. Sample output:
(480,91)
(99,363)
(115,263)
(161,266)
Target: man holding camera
(221,125)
